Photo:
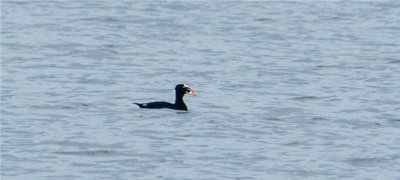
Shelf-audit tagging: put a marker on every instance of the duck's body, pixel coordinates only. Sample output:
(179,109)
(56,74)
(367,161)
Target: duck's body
(163,104)
(180,91)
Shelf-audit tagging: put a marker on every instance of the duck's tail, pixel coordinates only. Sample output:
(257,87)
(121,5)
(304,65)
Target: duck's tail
(139,104)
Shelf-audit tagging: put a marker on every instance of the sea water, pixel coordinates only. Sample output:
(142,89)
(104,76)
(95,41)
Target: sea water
(286,90)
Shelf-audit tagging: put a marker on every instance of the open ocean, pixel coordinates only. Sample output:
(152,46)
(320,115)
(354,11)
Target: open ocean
(286,90)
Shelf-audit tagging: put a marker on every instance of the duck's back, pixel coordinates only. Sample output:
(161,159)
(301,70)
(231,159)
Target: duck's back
(163,104)
(155,105)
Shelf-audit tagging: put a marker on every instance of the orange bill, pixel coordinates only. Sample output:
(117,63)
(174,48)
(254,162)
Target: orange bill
(192,92)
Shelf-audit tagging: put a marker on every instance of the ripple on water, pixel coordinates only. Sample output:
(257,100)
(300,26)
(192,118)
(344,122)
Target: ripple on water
(394,62)
(87,152)
(373,161)
(305,98)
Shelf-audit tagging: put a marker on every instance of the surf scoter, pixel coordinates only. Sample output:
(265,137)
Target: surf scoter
(180,91)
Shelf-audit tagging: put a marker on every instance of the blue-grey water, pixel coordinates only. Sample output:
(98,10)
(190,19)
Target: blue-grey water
(286,90)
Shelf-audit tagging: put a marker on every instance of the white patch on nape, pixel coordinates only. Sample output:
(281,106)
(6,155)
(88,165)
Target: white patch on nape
(144,105)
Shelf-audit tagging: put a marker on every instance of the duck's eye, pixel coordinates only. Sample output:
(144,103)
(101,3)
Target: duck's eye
(188,90)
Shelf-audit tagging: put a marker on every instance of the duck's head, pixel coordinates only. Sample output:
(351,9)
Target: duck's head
(184,89)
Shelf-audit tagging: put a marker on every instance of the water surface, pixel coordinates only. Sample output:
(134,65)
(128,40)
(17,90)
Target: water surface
(286,90)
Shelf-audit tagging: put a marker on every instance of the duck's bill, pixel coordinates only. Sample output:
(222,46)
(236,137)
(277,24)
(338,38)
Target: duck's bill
(192,92)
